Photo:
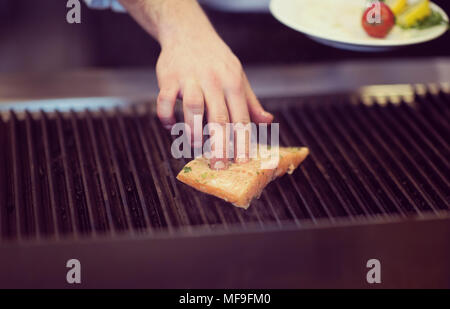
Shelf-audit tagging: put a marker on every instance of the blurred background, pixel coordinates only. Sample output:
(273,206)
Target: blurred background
(35,38)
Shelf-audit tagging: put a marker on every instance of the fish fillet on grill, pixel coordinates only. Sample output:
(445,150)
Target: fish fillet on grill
(240,183)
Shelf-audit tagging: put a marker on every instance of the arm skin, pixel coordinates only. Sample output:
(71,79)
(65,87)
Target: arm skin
(197,66)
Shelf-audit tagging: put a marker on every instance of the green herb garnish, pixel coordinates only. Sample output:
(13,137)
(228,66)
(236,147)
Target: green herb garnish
(187,169)
(432,20)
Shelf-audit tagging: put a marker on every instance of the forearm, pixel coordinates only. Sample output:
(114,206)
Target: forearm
(170,20)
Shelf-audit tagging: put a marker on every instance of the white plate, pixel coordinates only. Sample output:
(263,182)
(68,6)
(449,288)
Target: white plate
(338,24)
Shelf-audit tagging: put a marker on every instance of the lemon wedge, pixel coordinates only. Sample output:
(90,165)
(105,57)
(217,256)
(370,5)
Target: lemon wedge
(397,6)
(414,13)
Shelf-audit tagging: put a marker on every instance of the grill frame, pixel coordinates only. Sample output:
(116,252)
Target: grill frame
(332,256)
(249,225)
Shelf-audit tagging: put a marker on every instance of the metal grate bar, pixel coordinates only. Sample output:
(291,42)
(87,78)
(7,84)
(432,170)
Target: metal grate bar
(14,155)
(445,99)
(33,168)
(309,201)
(427,128)
(134,172)
(3,176)
(165,169)
(381,150)
(82,169)
(312,187)
(130,193)
(137,154)
(116,173)
(321,170)
(434,116)
(251,215)
(222,218)
(438,101)
(58,226)
(426,168)
(368,178)
(272,209)
(9,226)
(424,143)
(44,204)
(232,214)
(403,161)
(428,151)
(163,206)
(335,168)
(369,156)
(225,214)
(350,173)
(240,217)
(284,195)
(69,187)
(114,223)
(64,205)
(23,179)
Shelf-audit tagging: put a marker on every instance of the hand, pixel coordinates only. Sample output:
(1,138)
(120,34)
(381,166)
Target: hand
(197,66)
(202,70)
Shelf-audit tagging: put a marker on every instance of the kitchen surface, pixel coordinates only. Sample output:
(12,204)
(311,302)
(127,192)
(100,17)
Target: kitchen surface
(86,171)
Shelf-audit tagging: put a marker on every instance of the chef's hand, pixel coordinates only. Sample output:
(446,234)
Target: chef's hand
(197,66)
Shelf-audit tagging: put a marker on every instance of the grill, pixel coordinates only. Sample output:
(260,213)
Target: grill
(379,165)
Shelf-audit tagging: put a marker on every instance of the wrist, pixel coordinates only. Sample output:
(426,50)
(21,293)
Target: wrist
(171,22)
(172,37)
(179,21)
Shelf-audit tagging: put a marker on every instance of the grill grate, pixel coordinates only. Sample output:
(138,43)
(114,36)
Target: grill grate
(109,171)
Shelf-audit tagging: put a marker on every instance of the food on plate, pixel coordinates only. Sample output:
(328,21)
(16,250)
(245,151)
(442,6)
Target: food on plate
(378,28)
(406,14)
(240,183)
(434,19)
(397,6)
(414,13)
(420,16)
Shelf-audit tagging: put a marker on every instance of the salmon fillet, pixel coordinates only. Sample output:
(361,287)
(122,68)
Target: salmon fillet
(240,183)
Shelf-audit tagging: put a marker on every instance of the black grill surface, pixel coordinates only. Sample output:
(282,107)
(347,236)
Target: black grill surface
(81,174)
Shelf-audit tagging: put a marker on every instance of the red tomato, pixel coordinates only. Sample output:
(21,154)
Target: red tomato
(378,20)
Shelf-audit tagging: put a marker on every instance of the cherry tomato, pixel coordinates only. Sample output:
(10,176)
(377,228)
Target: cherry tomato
(378,20)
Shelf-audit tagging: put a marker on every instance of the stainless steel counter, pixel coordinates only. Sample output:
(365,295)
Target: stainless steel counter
(267,81)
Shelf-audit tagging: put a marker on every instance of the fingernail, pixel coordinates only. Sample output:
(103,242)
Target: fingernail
(219,165)
(266,114)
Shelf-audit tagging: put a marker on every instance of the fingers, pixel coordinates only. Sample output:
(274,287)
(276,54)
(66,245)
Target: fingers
(218,119)
(193,108)
(165,104)
(237,107)
(257,112)
(236,102)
